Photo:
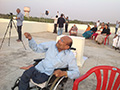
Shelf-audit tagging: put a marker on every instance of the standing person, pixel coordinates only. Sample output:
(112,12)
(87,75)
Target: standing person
(55,24)
(108,25)
(60,23)
(57,55)
(19,18)
(66,24)
(58,13)
(117,26)
(98,23)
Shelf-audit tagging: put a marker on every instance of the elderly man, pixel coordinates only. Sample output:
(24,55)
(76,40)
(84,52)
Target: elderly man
(58,55)
(19,18)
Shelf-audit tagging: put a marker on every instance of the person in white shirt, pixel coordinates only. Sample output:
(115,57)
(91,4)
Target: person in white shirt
(55,24)
(98,23)
(116,41)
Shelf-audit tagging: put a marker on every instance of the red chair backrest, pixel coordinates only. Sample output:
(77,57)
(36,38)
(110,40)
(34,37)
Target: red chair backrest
(105,83)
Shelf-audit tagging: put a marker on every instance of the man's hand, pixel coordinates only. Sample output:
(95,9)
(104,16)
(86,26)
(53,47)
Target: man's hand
(27,35)
(59,73)
(17,18)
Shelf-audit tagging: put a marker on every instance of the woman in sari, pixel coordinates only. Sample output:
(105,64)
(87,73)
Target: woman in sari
(100,38)
(88,28)
(89,33)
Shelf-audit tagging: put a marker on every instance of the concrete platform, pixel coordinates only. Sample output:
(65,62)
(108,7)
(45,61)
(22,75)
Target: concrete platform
(14,56)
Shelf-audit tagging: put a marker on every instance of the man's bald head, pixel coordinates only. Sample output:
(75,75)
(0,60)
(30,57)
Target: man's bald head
(64,43)
(68,40)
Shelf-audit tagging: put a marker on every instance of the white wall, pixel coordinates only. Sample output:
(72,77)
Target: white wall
(32,27)
(28,26)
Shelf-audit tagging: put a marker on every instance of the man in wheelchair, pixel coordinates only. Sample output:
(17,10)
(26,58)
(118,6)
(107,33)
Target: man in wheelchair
(57,55)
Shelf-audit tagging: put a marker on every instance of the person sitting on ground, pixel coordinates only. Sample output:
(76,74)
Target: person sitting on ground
(88,28)
(57,55)
(99,30)
(73,30)
(116,41)
(89,33)
(100,38)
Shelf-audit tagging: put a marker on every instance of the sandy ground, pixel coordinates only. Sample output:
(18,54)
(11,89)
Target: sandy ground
(14,56)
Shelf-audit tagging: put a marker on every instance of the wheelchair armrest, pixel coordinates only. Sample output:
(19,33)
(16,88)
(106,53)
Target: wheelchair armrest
(37,61)
(72,48)
(62,69)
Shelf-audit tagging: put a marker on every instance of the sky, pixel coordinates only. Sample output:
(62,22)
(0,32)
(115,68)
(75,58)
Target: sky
(84,10)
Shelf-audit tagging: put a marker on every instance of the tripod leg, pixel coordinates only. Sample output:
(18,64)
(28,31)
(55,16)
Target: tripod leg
(14,25)
(9,37)
(23,45)
(5,35)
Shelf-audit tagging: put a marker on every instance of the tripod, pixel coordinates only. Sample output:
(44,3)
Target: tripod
(9,27)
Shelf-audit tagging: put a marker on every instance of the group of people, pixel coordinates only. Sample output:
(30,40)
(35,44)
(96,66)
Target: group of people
(60,23)
(100,31)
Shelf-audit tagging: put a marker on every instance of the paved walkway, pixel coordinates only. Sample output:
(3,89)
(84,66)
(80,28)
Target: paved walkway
(14,56)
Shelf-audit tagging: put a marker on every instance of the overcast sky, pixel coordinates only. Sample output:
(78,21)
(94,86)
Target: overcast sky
(85,10)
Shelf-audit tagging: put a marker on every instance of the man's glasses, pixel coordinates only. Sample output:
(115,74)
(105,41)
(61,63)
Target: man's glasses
(63,42)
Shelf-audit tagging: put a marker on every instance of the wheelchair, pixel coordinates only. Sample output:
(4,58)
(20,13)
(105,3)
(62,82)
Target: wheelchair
(53,83)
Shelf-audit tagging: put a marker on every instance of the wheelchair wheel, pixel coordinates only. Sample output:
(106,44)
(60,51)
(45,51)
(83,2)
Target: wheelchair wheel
(16,84)
(56,84)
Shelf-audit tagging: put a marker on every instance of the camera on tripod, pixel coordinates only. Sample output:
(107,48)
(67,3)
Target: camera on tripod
(11,15)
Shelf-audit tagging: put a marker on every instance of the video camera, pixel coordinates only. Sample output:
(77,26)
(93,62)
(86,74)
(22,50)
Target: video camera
(11,15)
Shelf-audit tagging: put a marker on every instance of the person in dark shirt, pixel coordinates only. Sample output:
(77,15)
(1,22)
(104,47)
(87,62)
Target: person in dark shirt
(94,29)
(60,23)
(100,38)
(66,24)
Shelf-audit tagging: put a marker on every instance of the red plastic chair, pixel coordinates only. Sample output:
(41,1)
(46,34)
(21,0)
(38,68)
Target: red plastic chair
(107,38)
(105,83)
(94,35)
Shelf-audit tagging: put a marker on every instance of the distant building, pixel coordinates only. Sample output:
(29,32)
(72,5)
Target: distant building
(27,10)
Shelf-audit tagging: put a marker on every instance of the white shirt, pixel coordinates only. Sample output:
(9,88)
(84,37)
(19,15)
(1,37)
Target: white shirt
(55,20)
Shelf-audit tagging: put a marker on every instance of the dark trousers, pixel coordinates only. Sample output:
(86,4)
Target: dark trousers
(116,29)
(55,28)
(33,74)
(19,30)
(66,28)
